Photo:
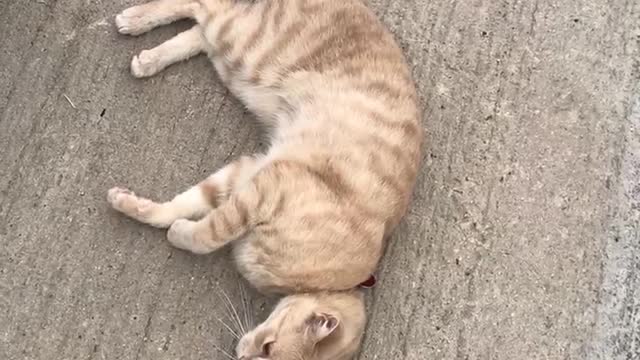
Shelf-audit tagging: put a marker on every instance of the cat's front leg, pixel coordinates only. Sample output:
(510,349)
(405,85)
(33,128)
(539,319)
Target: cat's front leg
(181,47)
(139,19)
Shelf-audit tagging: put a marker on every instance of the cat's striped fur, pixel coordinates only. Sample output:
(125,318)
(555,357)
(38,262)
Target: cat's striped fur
(311,215)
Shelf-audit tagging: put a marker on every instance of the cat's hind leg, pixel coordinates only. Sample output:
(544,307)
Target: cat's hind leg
(139,19)
(181,47)
(191,204)
(230,221)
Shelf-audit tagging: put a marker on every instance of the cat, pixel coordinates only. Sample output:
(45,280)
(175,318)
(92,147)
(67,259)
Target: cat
(309,218)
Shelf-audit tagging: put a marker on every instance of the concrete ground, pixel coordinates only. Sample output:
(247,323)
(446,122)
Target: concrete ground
(523,241)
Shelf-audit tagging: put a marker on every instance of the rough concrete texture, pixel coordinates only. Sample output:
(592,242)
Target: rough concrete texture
(522,242)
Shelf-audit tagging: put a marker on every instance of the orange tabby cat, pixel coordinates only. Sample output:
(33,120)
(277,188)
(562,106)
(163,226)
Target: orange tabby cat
(308,218)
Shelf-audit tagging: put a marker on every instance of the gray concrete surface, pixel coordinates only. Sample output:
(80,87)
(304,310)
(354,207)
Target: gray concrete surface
(523,241)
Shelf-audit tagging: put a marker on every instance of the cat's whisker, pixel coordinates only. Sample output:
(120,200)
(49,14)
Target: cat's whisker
(223,352)
(233,313)
(246,306)
(228,309)
(233,332)
(233,325)
(250,311)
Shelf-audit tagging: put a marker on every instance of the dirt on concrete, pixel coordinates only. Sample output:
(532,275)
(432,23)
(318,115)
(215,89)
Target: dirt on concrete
(523,240)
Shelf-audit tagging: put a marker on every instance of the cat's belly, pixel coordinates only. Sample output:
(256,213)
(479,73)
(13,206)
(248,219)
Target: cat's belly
(287,271)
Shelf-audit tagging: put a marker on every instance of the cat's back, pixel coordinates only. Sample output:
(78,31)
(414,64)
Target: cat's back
(356,109)
(332,82)
(344,159)
(280,44)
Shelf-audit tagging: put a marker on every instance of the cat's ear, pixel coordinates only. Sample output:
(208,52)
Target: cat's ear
(321,325)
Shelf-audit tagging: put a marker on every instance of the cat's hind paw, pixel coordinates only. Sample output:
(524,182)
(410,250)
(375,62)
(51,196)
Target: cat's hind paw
(117,197)
(129,204)
(180,234)
(189,235)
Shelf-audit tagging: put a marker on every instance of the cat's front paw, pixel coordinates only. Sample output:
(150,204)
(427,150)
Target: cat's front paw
(145,64)
(132,21)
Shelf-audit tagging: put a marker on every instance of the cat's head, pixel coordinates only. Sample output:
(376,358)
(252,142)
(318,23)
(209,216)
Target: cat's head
(308,327)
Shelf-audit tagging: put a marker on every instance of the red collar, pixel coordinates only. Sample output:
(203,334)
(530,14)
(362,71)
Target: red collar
(371,282)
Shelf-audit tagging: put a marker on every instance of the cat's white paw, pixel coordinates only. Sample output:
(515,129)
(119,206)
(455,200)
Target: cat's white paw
(180,234)
(125,201)
(144,65)
(118,196)
(132,22)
